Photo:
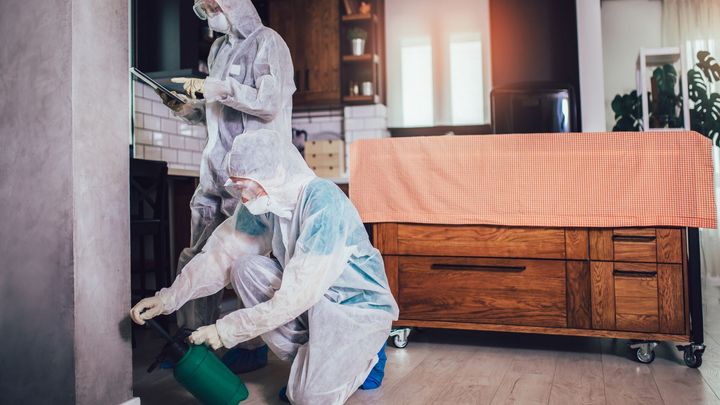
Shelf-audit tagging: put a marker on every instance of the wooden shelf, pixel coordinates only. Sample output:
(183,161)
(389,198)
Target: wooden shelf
(374,99)
(361,58)
(360,17)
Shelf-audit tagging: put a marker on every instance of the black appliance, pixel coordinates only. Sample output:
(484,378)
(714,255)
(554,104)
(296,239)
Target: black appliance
(534,107)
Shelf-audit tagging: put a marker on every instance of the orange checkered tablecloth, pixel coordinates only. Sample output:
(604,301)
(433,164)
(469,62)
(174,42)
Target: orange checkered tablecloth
(607,179)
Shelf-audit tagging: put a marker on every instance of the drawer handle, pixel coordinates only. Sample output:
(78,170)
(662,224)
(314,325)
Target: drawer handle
(629,273)
(636,238)
(476,267)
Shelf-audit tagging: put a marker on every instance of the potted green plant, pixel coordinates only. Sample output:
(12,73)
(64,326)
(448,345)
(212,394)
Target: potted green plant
(665,103)
(628,112)
(357,37)
(705,105)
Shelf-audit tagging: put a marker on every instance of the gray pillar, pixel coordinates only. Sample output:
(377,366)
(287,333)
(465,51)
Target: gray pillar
(64,245)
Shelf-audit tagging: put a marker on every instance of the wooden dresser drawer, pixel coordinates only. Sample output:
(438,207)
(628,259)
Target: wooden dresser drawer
(640,245)
(471,240)
(498,291)
(637,297)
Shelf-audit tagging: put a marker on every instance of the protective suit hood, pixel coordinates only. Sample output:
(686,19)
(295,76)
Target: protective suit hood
(268,158)
(244,19)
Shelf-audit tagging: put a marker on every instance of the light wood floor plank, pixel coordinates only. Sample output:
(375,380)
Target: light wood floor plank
(400,365)
(451,367)
(627,382)
(529,379)
(578,379)
(426,380)
(678,384)
(477,378)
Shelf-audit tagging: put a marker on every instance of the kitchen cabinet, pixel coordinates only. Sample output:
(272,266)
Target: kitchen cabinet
(370,66)
(311,30)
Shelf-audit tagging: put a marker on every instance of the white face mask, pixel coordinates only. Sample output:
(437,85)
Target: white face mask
(219,23)
(259,205)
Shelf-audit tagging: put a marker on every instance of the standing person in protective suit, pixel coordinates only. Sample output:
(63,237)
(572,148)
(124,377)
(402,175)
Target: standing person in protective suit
(321,301)
(249,87)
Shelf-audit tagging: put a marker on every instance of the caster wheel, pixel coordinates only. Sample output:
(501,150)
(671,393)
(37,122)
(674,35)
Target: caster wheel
(693,359)
(643,356)
(399,342)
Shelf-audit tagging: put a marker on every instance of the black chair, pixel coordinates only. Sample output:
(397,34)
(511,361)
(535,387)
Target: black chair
(149,230)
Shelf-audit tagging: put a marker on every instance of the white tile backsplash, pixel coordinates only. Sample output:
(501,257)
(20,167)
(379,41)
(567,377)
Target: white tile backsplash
(143,136)
(159,109)
(177,141)
(376,123)
(139,152)
(139,120)
(364,111)
(199,131)
(364,122)
(160,139)
(352,124)
(169,155)
(159,135)
(194,144)
(184,129)
(153,153)
(152,122)
(169,126)
(196,158)
(184,157)
(143,105)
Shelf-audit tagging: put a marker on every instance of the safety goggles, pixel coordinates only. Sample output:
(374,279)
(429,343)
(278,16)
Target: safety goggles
(245,189)
(205,9)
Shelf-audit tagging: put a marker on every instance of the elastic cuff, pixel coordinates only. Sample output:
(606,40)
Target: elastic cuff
(225,339)
(215,89)
(166,301)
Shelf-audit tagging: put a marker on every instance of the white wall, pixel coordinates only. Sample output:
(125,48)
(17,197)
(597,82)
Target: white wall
(627,25)
(590,65)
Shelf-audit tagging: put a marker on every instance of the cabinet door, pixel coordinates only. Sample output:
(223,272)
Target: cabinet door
(320,73)
(284,20)
(637,297)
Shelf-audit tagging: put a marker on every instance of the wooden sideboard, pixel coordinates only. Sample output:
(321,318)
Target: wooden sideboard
(629,283)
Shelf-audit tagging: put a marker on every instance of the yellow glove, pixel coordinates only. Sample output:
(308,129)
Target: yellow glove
(207,335)
(170,102)
(191,85)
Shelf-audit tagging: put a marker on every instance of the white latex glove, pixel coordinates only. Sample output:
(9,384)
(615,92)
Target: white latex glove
(207,335)
(153,306)
(191,85)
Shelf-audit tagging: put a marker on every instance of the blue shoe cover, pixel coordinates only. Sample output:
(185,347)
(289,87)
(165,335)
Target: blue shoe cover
(374,379)
(244,361)
(283,395)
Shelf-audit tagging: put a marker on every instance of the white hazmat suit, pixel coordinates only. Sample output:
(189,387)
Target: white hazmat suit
(322,300)
(250,87)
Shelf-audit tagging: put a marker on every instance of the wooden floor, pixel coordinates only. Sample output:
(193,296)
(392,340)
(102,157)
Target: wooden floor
(464,367)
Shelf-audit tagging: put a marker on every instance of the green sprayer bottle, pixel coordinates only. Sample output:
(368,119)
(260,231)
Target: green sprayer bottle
(199,370)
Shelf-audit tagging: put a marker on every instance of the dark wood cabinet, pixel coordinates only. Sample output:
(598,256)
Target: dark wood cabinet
(623,282)
(311,30)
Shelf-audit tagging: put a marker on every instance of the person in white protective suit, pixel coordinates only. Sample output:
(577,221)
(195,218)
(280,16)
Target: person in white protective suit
(321,300)
(250,87)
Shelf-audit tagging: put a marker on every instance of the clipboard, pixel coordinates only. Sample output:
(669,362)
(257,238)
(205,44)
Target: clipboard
(155,85)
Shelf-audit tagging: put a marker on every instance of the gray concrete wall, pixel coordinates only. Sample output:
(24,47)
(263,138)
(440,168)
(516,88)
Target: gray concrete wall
(36,281)
(101,133)
(64,277)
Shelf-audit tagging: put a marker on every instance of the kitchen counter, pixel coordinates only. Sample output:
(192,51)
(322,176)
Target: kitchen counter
(183,172)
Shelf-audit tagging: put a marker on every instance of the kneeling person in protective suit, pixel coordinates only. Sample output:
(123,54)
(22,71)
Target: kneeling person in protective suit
(321,301)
